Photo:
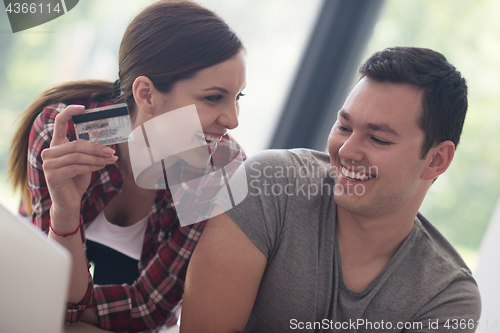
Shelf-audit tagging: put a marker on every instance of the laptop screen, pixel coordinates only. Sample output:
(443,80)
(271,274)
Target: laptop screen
(34,278)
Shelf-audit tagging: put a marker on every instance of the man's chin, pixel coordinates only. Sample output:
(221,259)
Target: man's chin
(351,203)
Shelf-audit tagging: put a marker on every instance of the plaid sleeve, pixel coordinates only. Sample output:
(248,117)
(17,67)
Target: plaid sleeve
(75,311)
(40,137)
(150,301)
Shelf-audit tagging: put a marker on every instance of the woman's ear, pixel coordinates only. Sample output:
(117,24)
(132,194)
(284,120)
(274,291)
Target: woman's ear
(146,95)
(440,159)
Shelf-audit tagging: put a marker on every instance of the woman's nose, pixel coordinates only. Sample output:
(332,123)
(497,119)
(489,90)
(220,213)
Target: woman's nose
(229,117)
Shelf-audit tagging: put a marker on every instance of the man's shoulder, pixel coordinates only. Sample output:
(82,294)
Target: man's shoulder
(289,158)
(438,247)
(430,278)
(310,155)
(433,271)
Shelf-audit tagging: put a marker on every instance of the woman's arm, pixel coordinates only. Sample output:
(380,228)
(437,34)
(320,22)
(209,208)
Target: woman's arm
(68,167)
(59,173)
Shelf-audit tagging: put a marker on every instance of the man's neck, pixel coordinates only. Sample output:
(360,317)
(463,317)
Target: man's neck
(373,236)
(367,244)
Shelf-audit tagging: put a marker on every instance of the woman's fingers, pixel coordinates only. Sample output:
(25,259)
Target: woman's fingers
(78,146)
(75,158)
(71,171)
(68,165)
(78,159)
(61,124)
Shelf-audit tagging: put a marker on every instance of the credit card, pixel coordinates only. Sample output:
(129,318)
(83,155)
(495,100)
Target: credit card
(106,125)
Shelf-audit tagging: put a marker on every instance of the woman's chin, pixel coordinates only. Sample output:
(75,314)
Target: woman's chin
(198,157)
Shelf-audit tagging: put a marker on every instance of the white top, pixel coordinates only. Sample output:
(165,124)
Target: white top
(127,240)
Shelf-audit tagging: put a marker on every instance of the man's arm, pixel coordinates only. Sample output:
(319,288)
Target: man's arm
(222,280)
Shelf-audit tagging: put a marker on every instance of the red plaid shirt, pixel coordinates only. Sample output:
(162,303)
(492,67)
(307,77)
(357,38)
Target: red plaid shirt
(148,303)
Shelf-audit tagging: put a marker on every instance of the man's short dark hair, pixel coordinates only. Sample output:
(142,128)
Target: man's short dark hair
(444,101)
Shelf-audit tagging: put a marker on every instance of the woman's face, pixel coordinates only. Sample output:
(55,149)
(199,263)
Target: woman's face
(216,92)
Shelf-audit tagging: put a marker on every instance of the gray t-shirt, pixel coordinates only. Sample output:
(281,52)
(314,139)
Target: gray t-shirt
(290,215)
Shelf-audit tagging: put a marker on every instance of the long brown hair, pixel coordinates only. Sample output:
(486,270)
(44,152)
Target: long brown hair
(169,41)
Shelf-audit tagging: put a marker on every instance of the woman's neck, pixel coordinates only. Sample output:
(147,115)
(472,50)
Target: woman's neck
(124,164)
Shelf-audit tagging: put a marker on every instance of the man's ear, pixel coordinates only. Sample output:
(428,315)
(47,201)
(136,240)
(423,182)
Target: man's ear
(146,95)
(440,158)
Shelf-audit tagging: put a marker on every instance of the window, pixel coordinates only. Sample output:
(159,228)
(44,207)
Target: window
(84,44)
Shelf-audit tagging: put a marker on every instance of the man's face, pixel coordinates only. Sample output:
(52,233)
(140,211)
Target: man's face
(375,149)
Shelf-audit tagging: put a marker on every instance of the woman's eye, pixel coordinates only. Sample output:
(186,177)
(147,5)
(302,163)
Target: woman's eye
(380,142)
(240,95)
(214,98)
(342,128)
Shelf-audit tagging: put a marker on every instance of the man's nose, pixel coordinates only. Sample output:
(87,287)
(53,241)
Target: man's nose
(352,149)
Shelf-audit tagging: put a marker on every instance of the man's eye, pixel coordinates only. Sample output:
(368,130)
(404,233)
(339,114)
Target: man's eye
(380,142)
(214,98)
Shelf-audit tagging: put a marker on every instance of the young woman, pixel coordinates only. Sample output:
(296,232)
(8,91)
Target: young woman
(173,54)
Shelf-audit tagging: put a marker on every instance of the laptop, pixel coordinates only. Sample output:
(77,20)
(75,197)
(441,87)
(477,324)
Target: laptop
(34,278)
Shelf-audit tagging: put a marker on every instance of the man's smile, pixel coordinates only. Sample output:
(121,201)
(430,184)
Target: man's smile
(356,176)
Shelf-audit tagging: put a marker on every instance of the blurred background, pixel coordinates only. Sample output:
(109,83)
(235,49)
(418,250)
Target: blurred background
(84,44)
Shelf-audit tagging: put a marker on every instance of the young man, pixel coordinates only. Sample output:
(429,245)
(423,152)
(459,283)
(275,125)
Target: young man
(335,243)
